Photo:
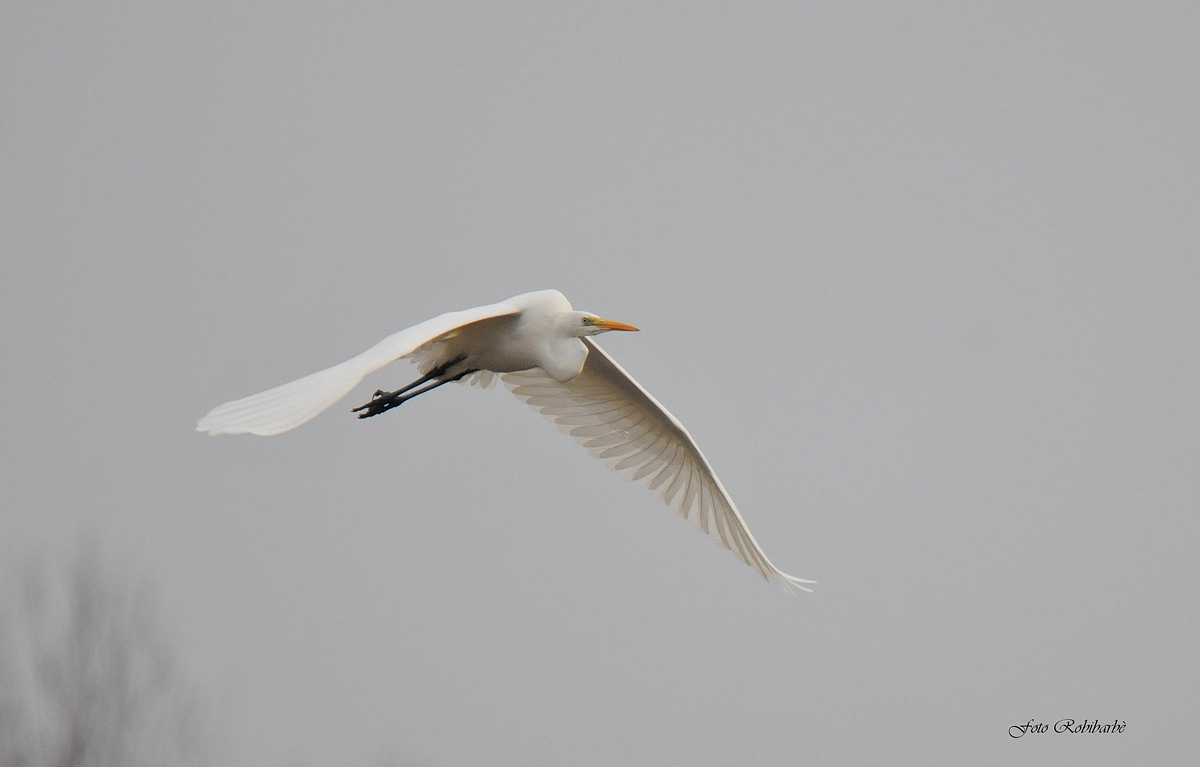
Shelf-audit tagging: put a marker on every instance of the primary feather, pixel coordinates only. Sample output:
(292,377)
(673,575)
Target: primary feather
(619,422)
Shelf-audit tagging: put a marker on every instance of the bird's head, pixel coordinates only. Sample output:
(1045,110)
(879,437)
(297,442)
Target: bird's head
(587,324)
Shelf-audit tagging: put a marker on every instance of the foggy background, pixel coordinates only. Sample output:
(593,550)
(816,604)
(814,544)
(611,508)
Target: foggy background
(921,279)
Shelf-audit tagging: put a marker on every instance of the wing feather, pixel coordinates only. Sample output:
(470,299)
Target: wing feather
(612,416)
(654,460)
(292,404)
(666,472)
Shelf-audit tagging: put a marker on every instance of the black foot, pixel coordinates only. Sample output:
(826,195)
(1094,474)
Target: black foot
(381,402)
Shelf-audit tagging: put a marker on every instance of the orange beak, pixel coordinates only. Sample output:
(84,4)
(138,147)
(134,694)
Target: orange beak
(612,325)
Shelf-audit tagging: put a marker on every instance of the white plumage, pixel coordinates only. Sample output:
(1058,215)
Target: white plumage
(542,351)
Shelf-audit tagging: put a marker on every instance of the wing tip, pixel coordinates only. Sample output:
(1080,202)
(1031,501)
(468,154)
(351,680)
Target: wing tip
(789,583)
(214,425)
(267,430)
(215,431)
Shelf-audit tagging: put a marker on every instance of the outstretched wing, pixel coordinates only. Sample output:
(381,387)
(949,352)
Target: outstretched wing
(618,421)
(285,407)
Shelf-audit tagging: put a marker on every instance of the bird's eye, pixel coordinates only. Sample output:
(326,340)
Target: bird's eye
(585,320)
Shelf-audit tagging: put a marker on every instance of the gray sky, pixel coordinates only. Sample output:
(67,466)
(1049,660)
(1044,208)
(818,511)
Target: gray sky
(921,280)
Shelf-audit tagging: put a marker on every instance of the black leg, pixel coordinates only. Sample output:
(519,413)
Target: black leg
(380,394)
(383,401)
(437,372)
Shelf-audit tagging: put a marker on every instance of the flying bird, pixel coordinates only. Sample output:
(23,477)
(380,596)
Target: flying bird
(544,353)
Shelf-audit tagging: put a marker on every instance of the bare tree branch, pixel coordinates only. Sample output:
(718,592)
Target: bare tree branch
(86,679)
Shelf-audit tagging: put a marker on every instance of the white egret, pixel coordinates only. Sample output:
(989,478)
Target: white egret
(543,352)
